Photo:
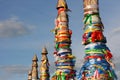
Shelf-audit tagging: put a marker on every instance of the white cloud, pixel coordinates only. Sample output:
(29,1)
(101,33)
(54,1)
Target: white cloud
(116,30)
(13,27)
(8,72)
(14,69)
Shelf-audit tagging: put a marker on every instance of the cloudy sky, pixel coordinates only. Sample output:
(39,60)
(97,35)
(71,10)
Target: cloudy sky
(25,28)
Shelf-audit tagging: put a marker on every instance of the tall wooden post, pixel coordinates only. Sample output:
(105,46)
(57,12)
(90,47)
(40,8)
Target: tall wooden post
(65,61)
(98,64)
(44,66)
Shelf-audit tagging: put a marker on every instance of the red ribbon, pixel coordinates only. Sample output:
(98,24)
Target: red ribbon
(61,9)
(108,55)
(89,57)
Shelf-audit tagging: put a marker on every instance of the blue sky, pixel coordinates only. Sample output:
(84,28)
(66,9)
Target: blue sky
(25,28)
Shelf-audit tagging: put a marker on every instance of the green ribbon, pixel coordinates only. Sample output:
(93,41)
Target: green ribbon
(94,51)
(89,16)
(61,76)
(56,46)
(110,74)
